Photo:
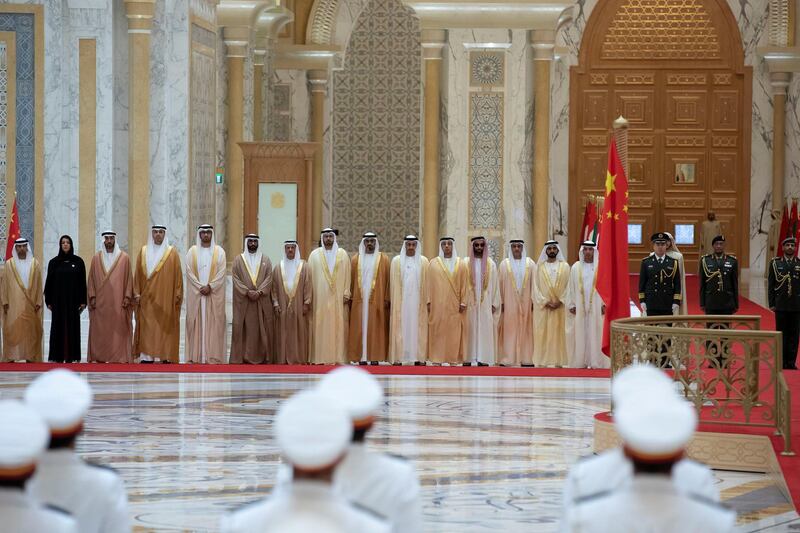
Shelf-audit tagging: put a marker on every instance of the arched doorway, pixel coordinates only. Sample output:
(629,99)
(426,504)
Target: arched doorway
(676,71)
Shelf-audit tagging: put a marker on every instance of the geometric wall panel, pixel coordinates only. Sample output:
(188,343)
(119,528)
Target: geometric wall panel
(376,128)
(486,160)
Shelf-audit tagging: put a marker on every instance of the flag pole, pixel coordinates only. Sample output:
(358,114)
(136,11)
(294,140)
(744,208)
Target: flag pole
(621,136)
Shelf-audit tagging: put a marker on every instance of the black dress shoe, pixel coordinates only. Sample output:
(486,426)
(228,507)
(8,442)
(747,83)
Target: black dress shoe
(466,364)
(146,362)
(527,365)
(374,363)
(419,363)
(483,364)
(362,363)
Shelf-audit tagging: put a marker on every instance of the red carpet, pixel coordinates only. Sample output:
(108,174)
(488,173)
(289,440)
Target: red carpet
(312,369)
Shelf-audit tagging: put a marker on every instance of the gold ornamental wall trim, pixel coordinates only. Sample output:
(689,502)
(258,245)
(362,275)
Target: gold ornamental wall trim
(728,368)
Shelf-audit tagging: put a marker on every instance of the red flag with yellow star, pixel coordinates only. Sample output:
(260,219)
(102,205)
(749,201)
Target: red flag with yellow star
(613,283)
(13,230)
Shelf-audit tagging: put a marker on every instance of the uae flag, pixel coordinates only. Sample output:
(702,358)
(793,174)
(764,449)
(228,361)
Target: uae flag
(589,227)
(784,232)
(613,283)
(13,230)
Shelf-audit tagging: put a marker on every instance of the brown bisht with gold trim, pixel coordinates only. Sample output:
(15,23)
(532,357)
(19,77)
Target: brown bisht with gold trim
(253,320)
(158,314)
(110,310)
(291,335)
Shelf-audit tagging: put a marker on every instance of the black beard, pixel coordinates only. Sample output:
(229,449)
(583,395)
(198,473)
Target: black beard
(552,255)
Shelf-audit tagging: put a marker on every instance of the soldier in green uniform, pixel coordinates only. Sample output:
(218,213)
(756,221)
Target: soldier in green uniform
(719,290)
(783,290)
(719,281)
(659,280)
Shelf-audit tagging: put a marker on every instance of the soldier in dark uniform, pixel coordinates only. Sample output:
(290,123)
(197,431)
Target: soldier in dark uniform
(659,280)
(783,290)
(719,291)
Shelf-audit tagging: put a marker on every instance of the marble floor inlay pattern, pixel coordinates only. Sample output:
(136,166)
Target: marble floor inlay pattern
(491,452)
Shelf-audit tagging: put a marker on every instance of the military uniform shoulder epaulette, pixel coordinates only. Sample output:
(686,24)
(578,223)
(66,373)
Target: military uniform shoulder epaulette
(371,512)
(102,466)
(592,496)
(57,509)
(699,498)
(731,255)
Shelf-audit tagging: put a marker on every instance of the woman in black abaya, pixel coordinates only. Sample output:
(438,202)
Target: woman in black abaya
(65,296)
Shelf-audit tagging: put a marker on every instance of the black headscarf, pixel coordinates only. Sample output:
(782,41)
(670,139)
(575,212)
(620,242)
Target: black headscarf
(62,255)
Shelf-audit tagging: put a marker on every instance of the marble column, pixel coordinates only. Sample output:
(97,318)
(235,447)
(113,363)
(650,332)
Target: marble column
(432,45)
(237,41)
(258,94)
(140,24)
(318,80)
(779,82)
(543,45)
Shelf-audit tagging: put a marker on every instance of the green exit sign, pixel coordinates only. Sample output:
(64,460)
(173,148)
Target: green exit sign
(219,176)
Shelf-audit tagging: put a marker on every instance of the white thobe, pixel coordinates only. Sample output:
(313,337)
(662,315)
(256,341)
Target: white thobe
(20,512)
(367,272)
(482,345)
(204,257)
(310,503)
(409,312)
(585,327)
(94,495)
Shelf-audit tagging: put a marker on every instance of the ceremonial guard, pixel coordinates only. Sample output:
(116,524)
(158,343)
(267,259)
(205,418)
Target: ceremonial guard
(783,290)
(659,281)
(719,281)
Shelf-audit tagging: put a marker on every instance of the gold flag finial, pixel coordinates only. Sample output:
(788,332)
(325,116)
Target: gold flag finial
(620,123)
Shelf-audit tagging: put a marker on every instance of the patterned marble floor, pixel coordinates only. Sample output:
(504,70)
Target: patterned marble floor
(491,452)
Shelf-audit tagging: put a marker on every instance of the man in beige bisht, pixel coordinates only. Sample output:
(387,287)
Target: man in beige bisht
(709,229)
(252,331)
(550,291)
(483,305)
(22,306)
(205,299)
(329,267)
(447,305)
(368,339)
(408,325)
(291,300)
(517,272)
(158,295)
(586,309)
(110,291)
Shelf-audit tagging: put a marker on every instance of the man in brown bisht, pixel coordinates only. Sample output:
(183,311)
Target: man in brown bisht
(21,295)
(447,292)
(205,300)
(158,295)
(252,330)
(368,340)
(110,291)
(291,300)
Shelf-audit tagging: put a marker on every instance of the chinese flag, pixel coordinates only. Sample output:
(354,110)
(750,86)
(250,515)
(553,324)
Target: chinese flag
(784,225)
(589,228)
(613,283)
(13,230)
(793,220)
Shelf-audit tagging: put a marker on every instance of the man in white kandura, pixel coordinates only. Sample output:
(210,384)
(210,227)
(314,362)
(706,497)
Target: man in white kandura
(517,278)
(586,309)
(23,439)
(386,485)
(550,328)
(205,299)
(330,278)
(94,494)
(312,431)
(408,325)
(483,305)
(595,475)
(655,425)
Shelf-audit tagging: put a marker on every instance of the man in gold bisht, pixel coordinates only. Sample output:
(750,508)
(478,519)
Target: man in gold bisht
(368,340)
(291,299)
(517,272)
(158,294)
(550,290)
(22,306)
(329,267)
(447,293)
(110,291)
(252,331)
(408,327)
(205,299)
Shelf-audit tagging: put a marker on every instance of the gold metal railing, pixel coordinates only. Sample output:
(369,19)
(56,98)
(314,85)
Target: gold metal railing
(727,367)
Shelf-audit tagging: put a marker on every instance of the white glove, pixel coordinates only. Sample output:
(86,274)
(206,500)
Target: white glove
(675,309)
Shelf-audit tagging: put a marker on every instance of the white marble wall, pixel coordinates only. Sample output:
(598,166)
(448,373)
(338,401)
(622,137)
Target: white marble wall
(222,133)
(120,134)
(793,138)
(169,120)
(752,18)
(300,101)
